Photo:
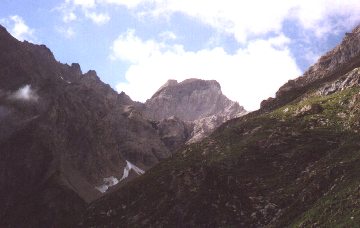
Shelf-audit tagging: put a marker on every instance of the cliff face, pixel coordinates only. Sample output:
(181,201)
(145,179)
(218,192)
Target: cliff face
(294,163)
(190,100)
(61,133)
(200,104)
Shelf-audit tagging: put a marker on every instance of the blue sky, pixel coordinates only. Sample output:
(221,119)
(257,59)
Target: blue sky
(250,47)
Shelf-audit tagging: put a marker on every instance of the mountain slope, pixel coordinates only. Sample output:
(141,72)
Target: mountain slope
(61,133)
(293,163)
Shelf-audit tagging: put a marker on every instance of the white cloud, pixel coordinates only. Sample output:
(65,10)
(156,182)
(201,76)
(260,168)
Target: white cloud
(168,35)
(127,3)
(250,75)
(24,93)
(66,32)
(241,20)
(18,28)
(131,48)
(98,18)
(67,9)
(83,3)
(317,15)
(73,9)
(69,16)
(244,19)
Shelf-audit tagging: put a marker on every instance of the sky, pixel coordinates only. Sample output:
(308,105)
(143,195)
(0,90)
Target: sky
(250,47)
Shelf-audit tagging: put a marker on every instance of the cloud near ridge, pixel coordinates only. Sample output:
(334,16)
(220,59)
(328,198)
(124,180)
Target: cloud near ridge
(248,76)
(25,93)
(18,28)
(253,72)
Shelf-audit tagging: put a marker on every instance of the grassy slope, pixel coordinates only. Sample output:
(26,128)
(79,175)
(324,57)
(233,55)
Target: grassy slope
(283,168)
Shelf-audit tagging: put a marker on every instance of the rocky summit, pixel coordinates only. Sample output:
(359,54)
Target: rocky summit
(190,100)
(293,163)
(198,104)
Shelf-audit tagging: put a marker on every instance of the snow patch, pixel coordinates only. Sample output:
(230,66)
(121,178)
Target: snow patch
(62,78)
(24,93)
(108,182)
(102,188)
(112,181)
(129,166)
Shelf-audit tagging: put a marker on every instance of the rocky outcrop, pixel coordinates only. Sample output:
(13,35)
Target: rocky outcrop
(199,103)
(205,126)
(337,62)
(308,110)
(350,79)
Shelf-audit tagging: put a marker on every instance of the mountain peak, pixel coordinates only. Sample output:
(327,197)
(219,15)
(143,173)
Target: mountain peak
(196,80)
(186,87)
(189,100)
(190,110)
(170,82)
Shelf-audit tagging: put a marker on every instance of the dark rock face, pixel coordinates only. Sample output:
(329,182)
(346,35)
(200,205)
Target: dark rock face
(200,104)
(174,132)
(61,133)
(294,163)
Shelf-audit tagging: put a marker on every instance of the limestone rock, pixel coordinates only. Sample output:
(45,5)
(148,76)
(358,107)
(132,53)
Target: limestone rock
(350,79)
(195,101)
(308,109)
